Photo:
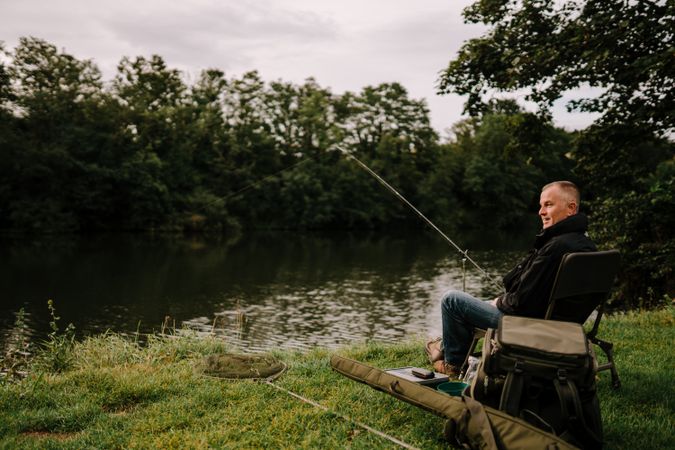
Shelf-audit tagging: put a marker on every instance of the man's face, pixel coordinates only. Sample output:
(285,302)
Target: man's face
(555,206)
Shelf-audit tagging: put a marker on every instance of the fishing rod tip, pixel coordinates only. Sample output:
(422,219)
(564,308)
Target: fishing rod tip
(342,150)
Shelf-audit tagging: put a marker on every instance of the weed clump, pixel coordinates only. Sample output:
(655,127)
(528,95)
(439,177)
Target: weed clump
(56,354)
(16,355)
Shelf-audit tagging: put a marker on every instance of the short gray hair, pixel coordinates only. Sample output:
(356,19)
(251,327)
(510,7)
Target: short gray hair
(569,189)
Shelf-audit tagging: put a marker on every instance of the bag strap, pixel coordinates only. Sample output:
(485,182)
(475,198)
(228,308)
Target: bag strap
(474,425)
(512,390)
(572,411)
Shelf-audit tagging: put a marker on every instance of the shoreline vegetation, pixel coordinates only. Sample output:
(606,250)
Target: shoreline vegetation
(110,391)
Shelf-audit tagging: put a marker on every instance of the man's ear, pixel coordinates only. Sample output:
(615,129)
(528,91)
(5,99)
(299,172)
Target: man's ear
(572,208)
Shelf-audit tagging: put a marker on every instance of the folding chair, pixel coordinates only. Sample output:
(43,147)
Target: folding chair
(582,284)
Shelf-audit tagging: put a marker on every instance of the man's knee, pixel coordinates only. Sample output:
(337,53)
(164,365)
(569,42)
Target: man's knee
(451,299)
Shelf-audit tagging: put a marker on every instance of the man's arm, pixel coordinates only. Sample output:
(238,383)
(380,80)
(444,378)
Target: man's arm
(529,294)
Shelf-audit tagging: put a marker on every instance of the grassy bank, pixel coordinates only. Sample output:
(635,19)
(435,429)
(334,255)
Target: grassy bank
(117,394)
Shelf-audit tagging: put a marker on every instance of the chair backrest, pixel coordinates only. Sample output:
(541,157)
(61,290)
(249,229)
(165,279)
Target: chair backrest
(583,283)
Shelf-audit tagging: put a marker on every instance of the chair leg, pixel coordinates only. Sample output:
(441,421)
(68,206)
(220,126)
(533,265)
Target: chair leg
(472,350)
(465,364)
(616,383)
(608,348)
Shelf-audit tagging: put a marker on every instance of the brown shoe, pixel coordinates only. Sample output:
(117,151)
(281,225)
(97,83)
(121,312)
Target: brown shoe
(450,370)
(434,350)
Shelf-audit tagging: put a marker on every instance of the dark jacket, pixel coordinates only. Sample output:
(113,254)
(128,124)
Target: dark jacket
(528,285)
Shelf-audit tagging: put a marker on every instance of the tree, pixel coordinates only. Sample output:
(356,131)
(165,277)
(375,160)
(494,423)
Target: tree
(54,180)
(156,174)
(504,156)
(385,110)
(630,175)
(6,94)
(211,149)
(9,141)
(550,47)
(253,156)
(301,118)
(392,134)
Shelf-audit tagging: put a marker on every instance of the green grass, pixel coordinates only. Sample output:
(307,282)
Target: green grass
(117,394)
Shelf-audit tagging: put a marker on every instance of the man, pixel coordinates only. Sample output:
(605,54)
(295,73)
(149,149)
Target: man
(528,285)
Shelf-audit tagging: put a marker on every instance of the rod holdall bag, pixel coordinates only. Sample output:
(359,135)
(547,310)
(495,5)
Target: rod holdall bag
(542,371)
(469,424)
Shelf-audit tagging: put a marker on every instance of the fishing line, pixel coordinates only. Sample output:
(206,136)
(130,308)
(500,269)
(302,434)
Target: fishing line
(348,419)
(255,183)
(464,253)
(275,174)
(270,381)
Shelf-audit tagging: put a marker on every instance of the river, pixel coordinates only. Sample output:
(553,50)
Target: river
(257,291)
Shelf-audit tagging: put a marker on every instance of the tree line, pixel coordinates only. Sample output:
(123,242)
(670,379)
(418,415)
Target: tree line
(148,150)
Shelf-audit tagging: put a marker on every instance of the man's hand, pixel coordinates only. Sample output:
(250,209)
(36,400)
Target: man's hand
(494,302)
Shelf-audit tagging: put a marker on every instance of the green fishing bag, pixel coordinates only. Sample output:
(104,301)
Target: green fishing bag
(469,424)
(543,372)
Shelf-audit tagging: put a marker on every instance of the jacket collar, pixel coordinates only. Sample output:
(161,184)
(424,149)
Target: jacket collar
(577,223)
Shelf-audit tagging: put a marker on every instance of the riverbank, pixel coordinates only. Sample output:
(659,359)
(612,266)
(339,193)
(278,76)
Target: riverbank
(115,393)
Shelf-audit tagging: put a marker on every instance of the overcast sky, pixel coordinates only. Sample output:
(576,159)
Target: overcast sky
(344,44)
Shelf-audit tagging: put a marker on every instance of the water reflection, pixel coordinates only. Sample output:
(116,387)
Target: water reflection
(262,291)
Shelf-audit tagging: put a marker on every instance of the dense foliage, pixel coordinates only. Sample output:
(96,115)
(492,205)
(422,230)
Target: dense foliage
(550,47)
(625,160)
(146,150)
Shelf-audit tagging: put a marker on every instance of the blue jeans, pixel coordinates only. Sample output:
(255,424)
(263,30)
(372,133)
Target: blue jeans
(460,314)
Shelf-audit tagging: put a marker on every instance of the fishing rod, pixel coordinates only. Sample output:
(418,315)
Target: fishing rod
(464,253)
